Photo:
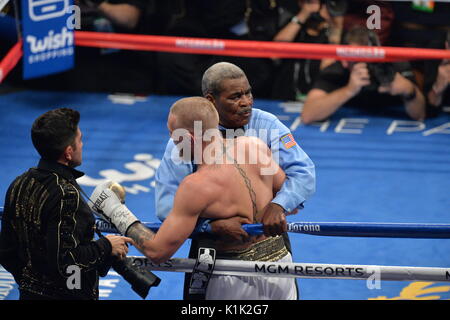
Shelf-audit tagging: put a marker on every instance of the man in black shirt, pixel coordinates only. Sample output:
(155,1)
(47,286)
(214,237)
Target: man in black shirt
(47,228)
(363,85)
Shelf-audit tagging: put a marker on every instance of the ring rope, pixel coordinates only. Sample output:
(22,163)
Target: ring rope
(254,49)
(242,48)
(10,60)
(335,229)
(303,270)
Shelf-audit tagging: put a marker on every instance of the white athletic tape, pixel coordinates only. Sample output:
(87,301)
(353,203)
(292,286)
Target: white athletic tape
(304,270)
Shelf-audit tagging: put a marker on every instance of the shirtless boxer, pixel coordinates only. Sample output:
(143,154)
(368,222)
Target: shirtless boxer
(231,180)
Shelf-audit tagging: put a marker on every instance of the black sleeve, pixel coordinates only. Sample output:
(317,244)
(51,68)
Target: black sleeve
(66,238)
(8,243)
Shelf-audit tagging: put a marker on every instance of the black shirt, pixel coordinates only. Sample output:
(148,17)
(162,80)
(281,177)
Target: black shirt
(335,76)
(47,227)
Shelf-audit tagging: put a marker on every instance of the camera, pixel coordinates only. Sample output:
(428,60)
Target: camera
(141,280)
(335,8)
(381,73)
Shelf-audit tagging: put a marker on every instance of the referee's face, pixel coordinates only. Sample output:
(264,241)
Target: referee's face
(234,103)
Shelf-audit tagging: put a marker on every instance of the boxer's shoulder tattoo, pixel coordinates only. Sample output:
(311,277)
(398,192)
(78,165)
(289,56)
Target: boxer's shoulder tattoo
(140,234)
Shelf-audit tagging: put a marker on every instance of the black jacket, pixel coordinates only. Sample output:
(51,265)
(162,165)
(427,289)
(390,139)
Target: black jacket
(47,227)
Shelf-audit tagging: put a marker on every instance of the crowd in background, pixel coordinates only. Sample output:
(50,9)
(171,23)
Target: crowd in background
(311,21)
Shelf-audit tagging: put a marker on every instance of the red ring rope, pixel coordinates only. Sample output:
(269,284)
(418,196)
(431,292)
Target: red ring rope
(242,48)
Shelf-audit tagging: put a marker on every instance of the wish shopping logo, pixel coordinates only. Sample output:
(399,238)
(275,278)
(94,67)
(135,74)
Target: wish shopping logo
(40,10)
(48,43)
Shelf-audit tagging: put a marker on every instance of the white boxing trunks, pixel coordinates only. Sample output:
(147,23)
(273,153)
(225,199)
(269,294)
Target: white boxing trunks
(254,287)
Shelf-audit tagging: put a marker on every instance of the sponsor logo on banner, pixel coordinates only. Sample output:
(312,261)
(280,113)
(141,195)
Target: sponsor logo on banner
(349,52)
(48,45)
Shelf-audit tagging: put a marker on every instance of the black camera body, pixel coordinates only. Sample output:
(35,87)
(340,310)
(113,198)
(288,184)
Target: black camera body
(141,280)
(381,73)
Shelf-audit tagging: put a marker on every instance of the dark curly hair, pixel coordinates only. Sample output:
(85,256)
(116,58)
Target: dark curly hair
(53,131)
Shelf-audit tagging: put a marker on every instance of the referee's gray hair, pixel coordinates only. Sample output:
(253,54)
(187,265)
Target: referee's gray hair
(214,75)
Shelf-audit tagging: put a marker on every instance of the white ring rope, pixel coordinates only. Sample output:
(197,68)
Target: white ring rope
(303,270)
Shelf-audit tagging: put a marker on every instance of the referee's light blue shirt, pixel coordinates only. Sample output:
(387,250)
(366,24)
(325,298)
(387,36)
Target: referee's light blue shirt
(300,171)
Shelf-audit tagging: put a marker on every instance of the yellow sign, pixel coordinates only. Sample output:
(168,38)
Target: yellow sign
(419,290)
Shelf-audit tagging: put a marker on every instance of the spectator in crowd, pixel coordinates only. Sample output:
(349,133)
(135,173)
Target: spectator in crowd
(118,15)
(364,85)
(312,24)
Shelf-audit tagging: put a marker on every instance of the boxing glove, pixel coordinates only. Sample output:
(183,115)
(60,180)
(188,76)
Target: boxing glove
(107,205)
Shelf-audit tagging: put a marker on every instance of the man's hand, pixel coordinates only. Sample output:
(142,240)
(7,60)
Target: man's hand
(399,86)
(230,229)
(108,206)
(307,7)
(359,77)
(119,245)
(443,77)
(274,220)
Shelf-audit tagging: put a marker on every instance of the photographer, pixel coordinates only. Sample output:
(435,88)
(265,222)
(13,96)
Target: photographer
(364,85)
(315,22)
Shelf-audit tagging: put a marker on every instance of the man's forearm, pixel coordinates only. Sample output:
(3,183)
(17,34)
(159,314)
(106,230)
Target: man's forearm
(320,108)
(436,94)
(434,98)
(416,107)
(141,236)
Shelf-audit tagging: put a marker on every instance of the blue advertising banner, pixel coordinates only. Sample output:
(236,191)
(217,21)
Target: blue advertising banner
(48,39)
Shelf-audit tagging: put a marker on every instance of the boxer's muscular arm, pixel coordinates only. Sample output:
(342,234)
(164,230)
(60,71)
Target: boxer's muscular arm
(190,200)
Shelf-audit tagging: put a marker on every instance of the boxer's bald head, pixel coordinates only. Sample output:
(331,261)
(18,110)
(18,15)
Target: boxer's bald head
(185,112)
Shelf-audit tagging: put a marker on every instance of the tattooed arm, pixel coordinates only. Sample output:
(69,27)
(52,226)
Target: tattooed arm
(190,201)
(141,235)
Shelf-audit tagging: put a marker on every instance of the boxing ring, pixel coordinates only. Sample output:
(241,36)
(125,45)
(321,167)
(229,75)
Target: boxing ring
(388,175)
